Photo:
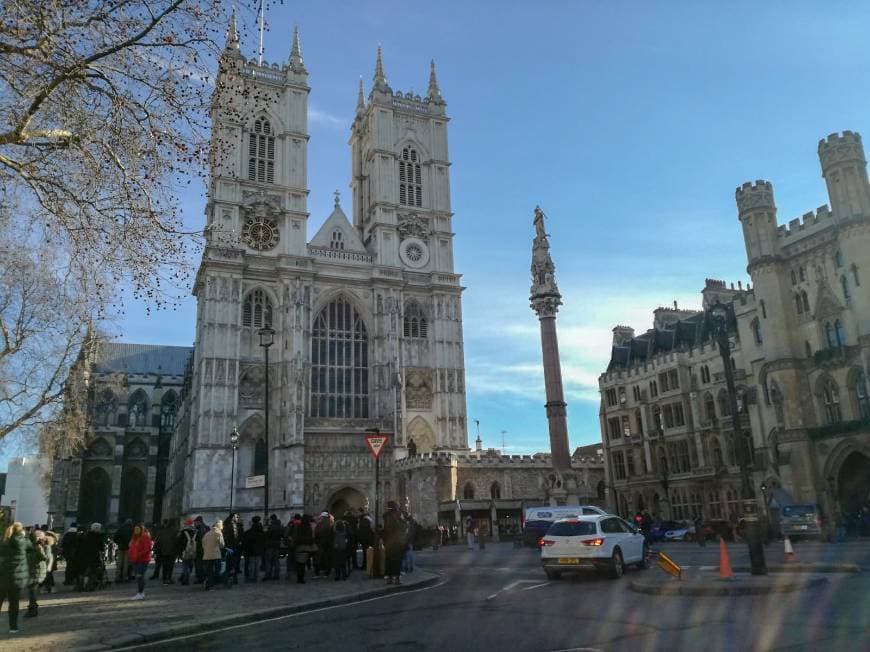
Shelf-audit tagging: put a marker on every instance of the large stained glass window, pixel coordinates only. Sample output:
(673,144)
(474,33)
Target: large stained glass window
(339,363)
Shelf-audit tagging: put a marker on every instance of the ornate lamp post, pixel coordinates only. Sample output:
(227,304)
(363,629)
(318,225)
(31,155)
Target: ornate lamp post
(752,527)
(267,338)
(234,443)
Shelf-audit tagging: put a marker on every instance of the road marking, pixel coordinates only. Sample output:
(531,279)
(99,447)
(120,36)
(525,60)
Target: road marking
(277,618)
(509,587)
(536,586)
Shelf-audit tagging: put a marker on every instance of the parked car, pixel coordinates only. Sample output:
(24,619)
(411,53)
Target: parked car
(681,533)
(802,521)
(539,519)
(602,543)
(657,530)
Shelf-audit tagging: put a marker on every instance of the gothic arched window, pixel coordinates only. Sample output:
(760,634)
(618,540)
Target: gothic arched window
(495,491)
(756,331)
(261,152)
(104,408)
(168,407)
(838,259)
(844,282)
(468,492)
(861,395)
(415,322)
(805,301)
(797,304)
(763,309)
(260,458)
(855,275)
(840,333)
(831,398)
(716,449)
(724,404)
(410,178)
(339,363)
(137,409)
(257,310)
(829,335)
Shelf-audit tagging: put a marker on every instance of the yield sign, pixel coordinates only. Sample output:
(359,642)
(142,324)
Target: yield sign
(376,444)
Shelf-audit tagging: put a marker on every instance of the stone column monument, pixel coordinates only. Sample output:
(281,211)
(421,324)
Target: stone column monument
(545,301)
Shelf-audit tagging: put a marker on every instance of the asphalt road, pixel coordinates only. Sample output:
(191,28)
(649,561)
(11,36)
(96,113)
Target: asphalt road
(498,599)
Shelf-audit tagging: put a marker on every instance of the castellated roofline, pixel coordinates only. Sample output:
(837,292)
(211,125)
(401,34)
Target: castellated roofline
(831,149)
(445,458)
(808,219)
(753,196)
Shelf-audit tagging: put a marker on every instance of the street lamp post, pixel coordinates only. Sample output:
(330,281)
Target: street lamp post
(234,442)
(752,525)
(376,431)
(267,338)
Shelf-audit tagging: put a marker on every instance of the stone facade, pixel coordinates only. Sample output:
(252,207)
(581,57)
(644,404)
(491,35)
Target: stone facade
(367,314)
(134,391)
(801,346)
(494,489)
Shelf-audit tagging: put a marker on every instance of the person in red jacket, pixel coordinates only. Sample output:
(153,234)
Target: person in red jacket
(139,555)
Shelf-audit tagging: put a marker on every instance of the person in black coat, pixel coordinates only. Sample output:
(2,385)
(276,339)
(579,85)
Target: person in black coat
(123,570)
(395,540)
(274,537)
(254,545)
(233,543)
(199,567)
(68,547)
(365,535)
(303,545)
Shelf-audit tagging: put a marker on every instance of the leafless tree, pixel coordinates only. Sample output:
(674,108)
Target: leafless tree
(103,121)
(103,117)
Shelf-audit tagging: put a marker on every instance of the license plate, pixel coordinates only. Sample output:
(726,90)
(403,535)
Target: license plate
(569,560)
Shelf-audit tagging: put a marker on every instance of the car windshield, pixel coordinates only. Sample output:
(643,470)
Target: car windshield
(799,510)
(572,529)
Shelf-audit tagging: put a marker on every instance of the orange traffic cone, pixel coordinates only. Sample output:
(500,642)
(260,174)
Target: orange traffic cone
(725,571)
(789,551)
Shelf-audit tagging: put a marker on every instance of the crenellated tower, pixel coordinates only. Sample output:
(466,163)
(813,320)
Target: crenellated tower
(756,210)
(845,171)
(256,217)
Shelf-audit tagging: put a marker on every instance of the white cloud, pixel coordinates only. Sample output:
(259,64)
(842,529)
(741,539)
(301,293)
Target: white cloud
(320,117)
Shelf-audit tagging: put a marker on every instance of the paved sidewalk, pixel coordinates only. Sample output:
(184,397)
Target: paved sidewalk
(109,618)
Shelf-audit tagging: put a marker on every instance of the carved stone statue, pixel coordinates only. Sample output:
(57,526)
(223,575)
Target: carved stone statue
(539,223)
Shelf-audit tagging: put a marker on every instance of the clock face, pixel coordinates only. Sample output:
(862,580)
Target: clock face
(414,253)
(259,233)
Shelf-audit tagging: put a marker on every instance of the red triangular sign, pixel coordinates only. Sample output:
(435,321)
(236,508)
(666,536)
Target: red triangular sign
(376,444)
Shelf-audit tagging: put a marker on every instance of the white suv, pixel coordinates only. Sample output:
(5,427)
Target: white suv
(600,542)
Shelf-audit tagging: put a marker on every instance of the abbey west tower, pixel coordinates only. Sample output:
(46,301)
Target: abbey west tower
(367,314)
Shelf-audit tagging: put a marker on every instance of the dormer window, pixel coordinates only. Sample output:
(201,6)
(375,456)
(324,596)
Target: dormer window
(410,178)
(261,152)
(337,241)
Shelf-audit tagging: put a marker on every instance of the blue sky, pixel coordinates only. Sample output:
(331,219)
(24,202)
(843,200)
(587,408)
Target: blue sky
(630,124)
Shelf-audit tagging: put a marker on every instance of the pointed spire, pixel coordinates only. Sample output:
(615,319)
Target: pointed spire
(434,91)
(360,98)
(296,62)
(233,34)
(380,78)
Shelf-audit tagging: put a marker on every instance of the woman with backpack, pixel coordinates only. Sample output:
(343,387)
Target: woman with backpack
(139,555)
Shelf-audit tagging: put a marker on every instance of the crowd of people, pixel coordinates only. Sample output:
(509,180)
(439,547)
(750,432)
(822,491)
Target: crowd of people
(217,555)
(27,558)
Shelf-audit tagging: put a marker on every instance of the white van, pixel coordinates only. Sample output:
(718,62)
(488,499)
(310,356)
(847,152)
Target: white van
(539,519)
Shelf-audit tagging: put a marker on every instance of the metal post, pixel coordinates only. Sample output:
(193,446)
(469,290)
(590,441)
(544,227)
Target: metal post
(377,490)
(234,442)
(266,474)
(752,526)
